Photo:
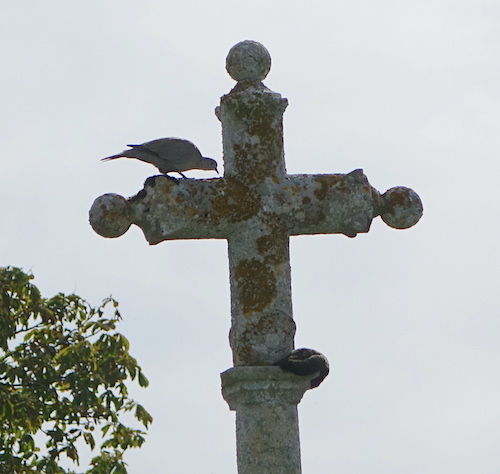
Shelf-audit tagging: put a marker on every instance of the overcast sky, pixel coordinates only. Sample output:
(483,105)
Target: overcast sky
(410,320)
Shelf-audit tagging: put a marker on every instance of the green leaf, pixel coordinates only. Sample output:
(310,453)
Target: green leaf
(89,439)
(72,452)
(105,429)
(143,381)
(124,342)
(143,416)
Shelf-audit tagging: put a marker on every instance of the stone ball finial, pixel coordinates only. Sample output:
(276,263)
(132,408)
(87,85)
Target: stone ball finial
(402,207)
(248,61)
(111,215)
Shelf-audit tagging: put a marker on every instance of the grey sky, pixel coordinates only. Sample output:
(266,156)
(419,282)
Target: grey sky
(410,320)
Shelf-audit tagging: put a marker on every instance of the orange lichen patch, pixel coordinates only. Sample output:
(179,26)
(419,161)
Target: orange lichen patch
(260,110)
(244,352)
(268,244)
(399,197)
(328,181)
(322,192)
(254,163)
(190,212)
(256,120)
(273,246)
(236,202)
(256,285)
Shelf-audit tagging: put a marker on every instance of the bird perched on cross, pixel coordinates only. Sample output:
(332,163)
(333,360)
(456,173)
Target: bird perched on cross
(168,155)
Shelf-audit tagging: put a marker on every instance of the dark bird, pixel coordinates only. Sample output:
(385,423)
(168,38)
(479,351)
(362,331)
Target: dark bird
(306,362)
(168,155)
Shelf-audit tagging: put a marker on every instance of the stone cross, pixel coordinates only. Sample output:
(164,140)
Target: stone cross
(256,207)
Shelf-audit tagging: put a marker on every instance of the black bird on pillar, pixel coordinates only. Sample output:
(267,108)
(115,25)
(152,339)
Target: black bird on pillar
(306,362)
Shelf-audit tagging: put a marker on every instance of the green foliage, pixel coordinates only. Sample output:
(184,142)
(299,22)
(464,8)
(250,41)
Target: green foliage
(63,369)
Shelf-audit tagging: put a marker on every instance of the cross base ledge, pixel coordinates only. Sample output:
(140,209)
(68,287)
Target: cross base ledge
(263,385)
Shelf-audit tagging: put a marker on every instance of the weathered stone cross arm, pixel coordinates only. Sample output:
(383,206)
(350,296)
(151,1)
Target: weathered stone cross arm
(219,208)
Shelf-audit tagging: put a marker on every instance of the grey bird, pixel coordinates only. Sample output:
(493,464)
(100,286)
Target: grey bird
(168,155)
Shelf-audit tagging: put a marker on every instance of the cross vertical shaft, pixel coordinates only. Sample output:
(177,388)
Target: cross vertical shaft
(262,327)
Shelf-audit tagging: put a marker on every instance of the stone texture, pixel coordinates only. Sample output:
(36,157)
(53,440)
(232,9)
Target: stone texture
(401,207)
(248,61)
(265,400)
(111,215)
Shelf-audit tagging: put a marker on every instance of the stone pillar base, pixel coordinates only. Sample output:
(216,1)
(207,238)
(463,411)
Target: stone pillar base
(267,430)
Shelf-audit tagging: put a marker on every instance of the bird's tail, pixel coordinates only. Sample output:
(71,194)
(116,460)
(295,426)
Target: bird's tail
(112,157)
(124,154)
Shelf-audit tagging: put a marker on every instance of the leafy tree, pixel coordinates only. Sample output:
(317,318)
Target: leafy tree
(63,369)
